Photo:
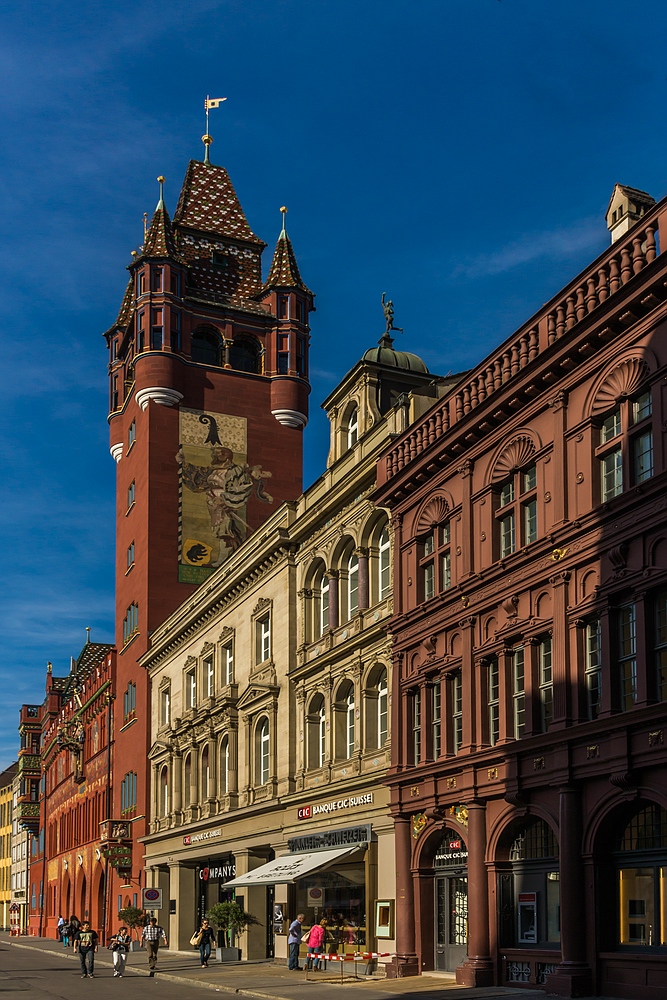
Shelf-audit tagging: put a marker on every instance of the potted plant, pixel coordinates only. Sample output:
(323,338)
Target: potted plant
(133,918)
(229,920)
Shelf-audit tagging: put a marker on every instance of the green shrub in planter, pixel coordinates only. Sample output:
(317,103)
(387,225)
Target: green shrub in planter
(229,921)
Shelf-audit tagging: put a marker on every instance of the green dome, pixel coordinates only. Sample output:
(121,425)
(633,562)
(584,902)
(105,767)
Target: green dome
(384,354)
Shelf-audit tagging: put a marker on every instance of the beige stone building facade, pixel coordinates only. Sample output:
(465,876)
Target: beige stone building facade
(6,816)
(271,701)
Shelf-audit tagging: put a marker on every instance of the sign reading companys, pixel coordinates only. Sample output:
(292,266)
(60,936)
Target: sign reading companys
(332,838)
(222,872)
(336,805)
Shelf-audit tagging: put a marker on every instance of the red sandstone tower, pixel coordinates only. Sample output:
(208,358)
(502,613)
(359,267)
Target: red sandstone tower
(209,396)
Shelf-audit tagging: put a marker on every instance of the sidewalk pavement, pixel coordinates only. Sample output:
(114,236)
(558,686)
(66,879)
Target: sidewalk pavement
(268,980)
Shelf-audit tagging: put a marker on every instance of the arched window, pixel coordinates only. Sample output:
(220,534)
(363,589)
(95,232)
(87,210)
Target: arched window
(206,346)
(244,355)
(263,752)
(205,773)
(641,863)
(352,584)
(529,884)
(187,779)
(164,791)
(224,766)
(383,709)
(384,552)
(317,733)
(376,711)
(320,621)
(345,713)
(353,428)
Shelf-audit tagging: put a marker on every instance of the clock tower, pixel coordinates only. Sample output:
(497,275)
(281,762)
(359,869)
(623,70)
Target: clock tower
(208,368)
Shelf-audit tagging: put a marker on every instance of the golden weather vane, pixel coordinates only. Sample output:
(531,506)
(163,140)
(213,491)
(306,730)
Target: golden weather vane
(210,102)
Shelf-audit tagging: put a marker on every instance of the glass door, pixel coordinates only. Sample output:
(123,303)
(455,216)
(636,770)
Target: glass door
(451,921)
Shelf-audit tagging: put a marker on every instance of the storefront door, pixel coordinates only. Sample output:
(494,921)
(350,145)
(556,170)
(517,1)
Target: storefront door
(451,921)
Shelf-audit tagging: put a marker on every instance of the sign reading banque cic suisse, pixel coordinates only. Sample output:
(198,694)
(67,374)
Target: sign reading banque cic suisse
(336,805)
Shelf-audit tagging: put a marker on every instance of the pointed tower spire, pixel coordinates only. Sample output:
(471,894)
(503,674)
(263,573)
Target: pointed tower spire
(284,271)
(160,241)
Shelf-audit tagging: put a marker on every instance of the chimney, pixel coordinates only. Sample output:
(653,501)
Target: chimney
(627,206)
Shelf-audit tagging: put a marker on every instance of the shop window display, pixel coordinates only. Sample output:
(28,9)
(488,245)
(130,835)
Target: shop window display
(339,897)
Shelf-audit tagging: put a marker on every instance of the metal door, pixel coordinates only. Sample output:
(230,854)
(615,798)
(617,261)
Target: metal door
(451,921)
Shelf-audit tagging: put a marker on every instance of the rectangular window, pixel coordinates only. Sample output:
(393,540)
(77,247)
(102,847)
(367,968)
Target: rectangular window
(283,364)
(131,434)
(429,581)
(130,495)
(642,407)
(611,427)
(437,720)
(627,655)
(446,570)
(190,689)
(228,663)
(494,702)
(263,638)
(156,330)
(416,727)
(130,622)
(141,334)
(637,905)
(529,479)
(457,712)
(529,522)
(165,707)
(507,493)
(611,470)
(130,555)
(141,283)
(661,646)
(175,283)
(546,685)
(507,537)
(593,670)
(642,456)
(283,307)
(175,330)
(156,279)
(209,677)
(518,693)
(301,311)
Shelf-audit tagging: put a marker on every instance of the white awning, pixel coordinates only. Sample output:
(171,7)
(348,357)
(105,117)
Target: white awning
(291,867)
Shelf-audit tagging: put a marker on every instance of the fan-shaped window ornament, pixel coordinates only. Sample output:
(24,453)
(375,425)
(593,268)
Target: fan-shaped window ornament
(435,512)
(513,457)
(621,382)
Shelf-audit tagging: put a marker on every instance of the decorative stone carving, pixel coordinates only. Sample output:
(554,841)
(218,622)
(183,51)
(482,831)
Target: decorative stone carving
(620,382)
(226,634)
(513,456)
(435,511)
(159,394)
(262,603)
(116,451)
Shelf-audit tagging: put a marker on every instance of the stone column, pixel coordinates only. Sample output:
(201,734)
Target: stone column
(466,540)
(177,783)
(233,737)
(333,598)
(364,582)
(558,404)
(572,977)
(182,891)
(470,740)
(253,941)
(405,963)
(477,970)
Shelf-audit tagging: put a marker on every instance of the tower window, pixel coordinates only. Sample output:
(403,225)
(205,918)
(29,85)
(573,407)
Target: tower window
(141,283)
(283,307)
(130,556)
(206,346)
(130,622)
(301,311)
(131,495)
(353,428)
(141,337)
(175,330)
(283,364)
(156,279)
(660,611)
(175,283)
(300,356)
(436,706)
(156,330)
(131,434)
(416,726)
(244,355)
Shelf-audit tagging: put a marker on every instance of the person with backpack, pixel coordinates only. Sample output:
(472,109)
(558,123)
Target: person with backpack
(120,945)
(86,942)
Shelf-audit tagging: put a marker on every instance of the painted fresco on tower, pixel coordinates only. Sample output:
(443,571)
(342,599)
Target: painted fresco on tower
(216,483)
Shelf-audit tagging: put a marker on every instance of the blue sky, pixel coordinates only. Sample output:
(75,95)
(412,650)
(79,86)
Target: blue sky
(457,154)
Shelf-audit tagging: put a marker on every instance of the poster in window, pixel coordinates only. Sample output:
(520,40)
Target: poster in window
(384,918)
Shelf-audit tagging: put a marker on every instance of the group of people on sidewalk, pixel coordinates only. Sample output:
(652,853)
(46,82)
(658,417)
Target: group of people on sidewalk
(315,940)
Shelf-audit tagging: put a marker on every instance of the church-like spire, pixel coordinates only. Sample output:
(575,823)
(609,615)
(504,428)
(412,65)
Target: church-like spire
(284,272)
(159,241)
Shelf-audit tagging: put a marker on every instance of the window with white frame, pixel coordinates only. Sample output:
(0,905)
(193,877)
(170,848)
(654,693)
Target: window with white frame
(263,752)
(164,792)
(519,693)
(323,608)
(593,669)
(457,711)
(209,676)
(624,451)
(384,563)
(436,718)
(353,428)
(493,700)
(383,709)
(352,584)
(224,766)
(316,732)
(190,686)
(516,512)
(546,683)
(627,655)
(165,706)
(263,636)
(228,663)
(416,726)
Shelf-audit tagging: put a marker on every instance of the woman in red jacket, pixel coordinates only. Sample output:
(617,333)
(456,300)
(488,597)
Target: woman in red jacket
(316,939)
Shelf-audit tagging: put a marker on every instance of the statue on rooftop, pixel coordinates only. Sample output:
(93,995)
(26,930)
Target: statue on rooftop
(388,310)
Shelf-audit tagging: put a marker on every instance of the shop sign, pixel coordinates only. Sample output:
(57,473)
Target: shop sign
(332,838)
(197,838)
(323,808)
(222,872)
(452,851)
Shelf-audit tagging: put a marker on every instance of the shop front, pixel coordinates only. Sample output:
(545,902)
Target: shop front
(450,894)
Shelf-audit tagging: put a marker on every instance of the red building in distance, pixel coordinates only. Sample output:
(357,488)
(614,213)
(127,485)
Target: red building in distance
(529,749)
(208,399)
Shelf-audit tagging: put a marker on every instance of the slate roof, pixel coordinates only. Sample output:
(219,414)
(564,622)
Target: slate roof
(160,241)
(284,272)
(8,775)
(208,202)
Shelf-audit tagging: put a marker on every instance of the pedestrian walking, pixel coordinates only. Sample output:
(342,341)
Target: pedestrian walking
(65,932)
(86,942)
(294,941)
(151,934)
(59,927)
(74,925)
(316,939)
(120,945)
(206,937)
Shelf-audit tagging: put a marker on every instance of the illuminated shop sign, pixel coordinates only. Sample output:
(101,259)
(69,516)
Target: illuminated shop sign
(332,838)
(197,838)
(336,805)
(222,872)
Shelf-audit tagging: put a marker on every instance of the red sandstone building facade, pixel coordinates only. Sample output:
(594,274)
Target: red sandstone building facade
(208,400)
(529,749)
